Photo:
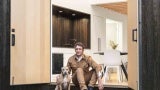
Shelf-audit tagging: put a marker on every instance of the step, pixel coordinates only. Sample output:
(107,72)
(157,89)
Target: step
(106,87)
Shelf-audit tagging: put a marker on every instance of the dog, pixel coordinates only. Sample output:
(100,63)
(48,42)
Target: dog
(63,79)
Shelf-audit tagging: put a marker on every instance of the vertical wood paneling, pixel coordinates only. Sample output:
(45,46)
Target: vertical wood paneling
(68,29)
(4,44)
(30,56)
(61,30)
(150,45)
(132,46)
(81,27)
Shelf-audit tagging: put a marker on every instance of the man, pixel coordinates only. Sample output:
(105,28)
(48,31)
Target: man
(81,74)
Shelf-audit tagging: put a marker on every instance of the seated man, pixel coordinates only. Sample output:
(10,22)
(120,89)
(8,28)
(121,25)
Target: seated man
(81,75)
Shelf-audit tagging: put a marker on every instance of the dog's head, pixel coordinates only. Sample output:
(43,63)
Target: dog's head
(65,70)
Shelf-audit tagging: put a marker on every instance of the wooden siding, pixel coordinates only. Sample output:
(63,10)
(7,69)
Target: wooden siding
(4,44)
(150,60)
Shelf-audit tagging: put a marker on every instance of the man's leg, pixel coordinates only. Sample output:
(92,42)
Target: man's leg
(79,76)
(91,79)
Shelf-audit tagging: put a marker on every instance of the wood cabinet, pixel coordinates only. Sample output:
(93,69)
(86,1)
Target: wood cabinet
(69,27)
(30,42)
(132,45)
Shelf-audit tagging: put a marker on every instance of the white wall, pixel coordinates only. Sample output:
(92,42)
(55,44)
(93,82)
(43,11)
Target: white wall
(111,34)
(98,24)
(108,14)
(114,33)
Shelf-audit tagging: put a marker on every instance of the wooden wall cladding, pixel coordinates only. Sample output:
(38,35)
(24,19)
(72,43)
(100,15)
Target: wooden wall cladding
(4,44)
(81,31)
(150,64)
(61,30)
(69,28)
(30,56)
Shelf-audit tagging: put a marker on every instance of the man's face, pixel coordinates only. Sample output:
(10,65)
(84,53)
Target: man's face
(79,50)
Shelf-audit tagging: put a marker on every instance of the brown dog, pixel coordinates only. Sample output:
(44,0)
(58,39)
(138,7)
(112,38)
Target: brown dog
(63,79)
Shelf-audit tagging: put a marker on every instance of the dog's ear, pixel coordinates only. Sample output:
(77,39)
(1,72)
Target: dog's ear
(62,68)
(69,71)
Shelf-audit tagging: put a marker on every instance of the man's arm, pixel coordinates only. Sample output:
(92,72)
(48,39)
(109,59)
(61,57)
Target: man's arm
(94,65)
(98,69)
(100,84)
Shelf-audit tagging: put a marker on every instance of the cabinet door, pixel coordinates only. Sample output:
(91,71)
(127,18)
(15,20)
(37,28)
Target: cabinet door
(132,45)
(30,42)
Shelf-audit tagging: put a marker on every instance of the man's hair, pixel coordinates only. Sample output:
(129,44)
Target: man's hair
(79,44)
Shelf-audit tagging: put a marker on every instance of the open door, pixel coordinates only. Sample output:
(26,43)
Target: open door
(30,42)
(133,44)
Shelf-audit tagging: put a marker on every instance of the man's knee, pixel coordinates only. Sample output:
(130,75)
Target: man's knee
(79,70)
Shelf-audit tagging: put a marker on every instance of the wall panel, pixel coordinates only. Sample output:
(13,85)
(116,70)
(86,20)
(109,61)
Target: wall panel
(132,45)
(4,44)
(30,55)
(150,63)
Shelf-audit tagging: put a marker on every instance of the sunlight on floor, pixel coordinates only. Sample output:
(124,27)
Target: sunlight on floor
(112,79)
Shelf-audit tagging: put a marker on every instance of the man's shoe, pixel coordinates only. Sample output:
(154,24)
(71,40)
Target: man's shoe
(90,88)
(83,87)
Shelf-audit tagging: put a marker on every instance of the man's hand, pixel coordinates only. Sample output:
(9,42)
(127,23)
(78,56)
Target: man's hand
(100,84)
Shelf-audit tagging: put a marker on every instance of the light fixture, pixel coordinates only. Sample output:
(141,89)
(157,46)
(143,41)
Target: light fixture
(60,11)
(73,14)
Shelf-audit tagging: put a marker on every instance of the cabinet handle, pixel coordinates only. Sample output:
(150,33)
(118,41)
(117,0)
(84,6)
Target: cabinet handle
(13,30)
(13,39)
(134,35)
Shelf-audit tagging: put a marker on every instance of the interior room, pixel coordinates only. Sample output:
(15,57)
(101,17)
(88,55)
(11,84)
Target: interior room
(104,26)
(28,54)
(65,35)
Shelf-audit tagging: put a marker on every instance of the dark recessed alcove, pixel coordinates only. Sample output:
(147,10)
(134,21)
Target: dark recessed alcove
(69,26)
(57,63)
